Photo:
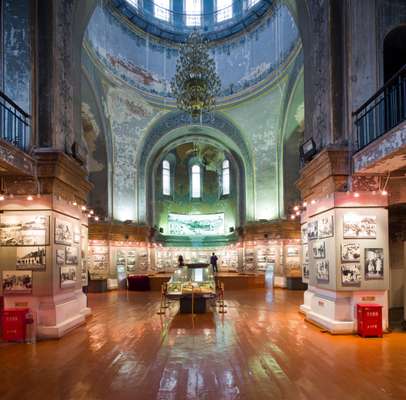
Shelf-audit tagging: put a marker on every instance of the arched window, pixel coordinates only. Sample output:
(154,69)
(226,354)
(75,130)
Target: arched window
(251,3)
(166,178)
(225,178)
(134,3)
(196,182)
(161,9)
(224,10)
(193,11)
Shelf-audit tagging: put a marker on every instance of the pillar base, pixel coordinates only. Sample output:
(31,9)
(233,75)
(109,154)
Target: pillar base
(336,311)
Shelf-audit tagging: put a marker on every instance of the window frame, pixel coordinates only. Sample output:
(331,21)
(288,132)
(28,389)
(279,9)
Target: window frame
(223,169)
(169,177)
(163,9)
(223,10)
(191,15)
(191,185)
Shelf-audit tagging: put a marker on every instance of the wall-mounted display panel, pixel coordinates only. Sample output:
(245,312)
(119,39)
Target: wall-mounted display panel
(31,258)
(196,224)
(63,232)
(24,229)
(17,282)
(68,276)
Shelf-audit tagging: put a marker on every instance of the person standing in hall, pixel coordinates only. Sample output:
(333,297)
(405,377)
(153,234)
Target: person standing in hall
(213,262)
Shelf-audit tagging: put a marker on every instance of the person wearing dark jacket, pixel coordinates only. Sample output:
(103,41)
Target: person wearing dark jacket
(213,262)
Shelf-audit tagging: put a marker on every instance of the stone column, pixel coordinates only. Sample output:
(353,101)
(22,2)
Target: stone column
(58,189)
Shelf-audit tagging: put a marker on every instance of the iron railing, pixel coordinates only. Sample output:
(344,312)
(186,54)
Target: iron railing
(14,123)
(383,111)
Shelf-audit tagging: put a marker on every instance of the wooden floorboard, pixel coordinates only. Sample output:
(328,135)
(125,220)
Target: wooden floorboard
(260,349)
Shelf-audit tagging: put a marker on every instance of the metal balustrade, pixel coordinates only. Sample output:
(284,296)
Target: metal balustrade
(14,123)
(385,110)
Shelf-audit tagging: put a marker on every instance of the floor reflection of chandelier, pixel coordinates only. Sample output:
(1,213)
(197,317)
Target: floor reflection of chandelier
(196,83)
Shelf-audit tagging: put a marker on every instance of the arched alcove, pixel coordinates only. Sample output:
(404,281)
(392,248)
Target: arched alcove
(208,153)
(394,54)
(174,128)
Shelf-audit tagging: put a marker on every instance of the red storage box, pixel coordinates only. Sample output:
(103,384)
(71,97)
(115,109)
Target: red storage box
(14,324)
(369,318)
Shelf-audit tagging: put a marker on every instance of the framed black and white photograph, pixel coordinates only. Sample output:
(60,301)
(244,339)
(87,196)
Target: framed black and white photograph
(24,230)
(71,255)
(63,232)
(351,274)
(326,227)
(319,249)
(292,251)
(60,256)
(374,264)
(306,253)
(306,271)
(68,276)
(31,258)
(323,273)
(350,252)
(76,236)
(304,234)
(312,230)
(18,282)
(359,226)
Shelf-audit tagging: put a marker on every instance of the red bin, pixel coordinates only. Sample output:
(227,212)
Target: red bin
(14,324)
(369,318)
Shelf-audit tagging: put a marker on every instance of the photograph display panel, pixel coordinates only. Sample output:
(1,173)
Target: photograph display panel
(63,232)
(325,227)
(359,226)
(60,256)
(17,282)
(319,249)
(24,230)
(292,251)
(351,274)
(304,234)
(31,258)
(306,271)
(350,252)
(68,276)
(374,264)
(312,230)
(322,270)
(71,255)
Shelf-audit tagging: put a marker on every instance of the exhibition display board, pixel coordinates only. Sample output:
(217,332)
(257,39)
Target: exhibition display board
(345,258)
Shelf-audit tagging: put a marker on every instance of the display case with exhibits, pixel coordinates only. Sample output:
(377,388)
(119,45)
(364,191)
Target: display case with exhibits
(185,280)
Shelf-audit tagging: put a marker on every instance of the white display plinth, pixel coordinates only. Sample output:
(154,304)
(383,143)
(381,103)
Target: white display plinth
(336,311)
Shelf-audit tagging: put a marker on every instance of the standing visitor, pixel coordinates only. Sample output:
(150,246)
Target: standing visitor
(213,262)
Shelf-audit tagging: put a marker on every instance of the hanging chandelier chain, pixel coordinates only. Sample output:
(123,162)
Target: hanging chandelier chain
(196,83)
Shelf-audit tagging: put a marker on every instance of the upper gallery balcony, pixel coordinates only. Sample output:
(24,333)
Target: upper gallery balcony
(381,129)
(15,126)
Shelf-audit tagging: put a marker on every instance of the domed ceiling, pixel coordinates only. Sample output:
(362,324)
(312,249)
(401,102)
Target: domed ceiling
(245,61)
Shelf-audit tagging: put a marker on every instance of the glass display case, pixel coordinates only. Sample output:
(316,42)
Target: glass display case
(185,280)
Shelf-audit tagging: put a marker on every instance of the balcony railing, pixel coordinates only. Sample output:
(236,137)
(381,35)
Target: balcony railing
(383,111)
(14,123)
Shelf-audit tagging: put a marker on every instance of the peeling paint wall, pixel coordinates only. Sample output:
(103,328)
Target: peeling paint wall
(17,52)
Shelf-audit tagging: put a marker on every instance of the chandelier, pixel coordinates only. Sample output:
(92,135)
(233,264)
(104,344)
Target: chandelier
(196,83)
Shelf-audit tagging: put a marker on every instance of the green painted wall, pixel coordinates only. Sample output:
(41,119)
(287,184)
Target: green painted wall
(180,201)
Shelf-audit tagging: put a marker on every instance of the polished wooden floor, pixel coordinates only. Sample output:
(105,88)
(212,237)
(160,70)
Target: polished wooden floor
(260,349)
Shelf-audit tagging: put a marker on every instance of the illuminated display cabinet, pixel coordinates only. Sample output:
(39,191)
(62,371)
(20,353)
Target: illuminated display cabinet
(185,280)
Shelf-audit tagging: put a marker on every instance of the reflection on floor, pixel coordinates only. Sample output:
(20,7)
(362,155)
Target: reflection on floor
(260,349)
